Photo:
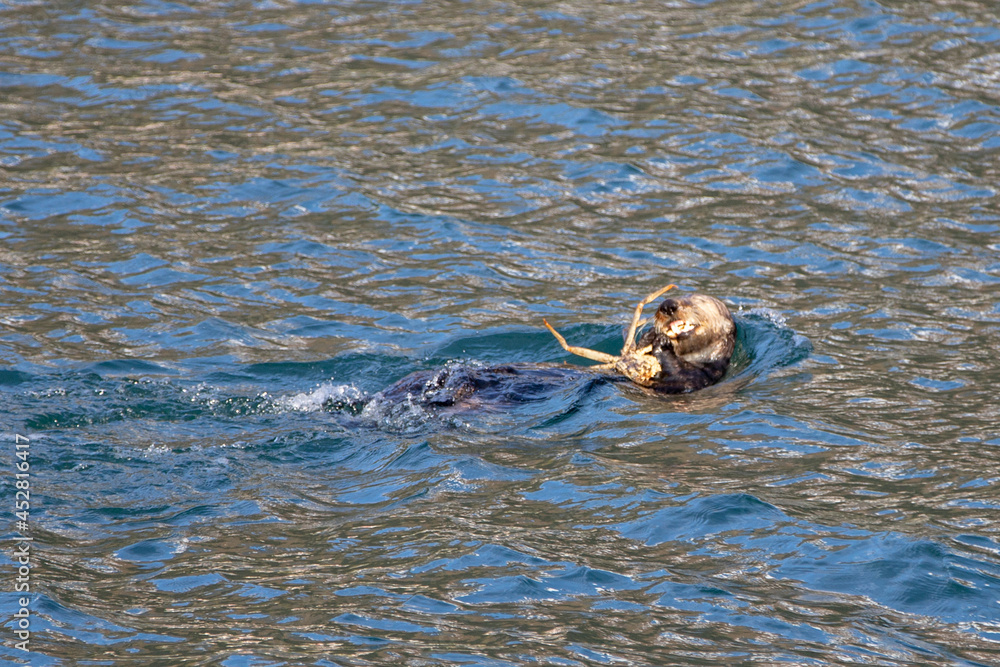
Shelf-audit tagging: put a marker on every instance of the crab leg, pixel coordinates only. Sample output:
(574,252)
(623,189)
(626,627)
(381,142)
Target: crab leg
(630,337)
(593,355)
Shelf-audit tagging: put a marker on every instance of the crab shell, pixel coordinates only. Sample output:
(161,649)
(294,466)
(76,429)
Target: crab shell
(639,366)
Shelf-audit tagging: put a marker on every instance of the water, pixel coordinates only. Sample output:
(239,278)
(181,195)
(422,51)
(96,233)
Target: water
(225,228)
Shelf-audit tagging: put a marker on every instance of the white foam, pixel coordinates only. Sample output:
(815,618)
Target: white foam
(315,400)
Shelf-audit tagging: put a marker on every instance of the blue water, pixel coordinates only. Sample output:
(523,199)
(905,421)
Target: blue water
(227,228)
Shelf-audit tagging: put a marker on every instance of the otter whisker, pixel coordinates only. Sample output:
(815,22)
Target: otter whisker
(584,352)
(638,329)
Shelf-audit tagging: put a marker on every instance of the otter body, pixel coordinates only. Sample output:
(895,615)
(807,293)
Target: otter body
(487,388)
(687,348)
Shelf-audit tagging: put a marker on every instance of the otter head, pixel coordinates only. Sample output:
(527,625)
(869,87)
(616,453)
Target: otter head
(699,328)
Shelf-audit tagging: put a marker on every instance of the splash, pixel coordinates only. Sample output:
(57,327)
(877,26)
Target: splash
(324,397)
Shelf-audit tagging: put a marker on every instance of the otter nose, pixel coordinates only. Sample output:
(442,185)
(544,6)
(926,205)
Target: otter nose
(668,307)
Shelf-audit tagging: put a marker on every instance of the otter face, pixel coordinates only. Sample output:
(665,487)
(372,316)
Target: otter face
(699,328)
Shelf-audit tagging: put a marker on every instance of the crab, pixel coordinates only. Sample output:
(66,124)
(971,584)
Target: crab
(638,364)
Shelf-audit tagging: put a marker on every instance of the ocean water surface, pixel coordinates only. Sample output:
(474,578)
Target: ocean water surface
(227,227)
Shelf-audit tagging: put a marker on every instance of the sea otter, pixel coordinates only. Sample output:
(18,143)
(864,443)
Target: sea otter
(692,339)
(687,348)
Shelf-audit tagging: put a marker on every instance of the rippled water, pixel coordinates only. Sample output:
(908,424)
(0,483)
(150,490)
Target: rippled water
(225,228)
